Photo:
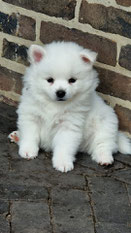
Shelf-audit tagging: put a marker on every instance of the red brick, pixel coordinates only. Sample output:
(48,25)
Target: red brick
(124,2)
(106,48)
(107,19)
(124,116)
(8,23)
(114,84)
(18,25)
(57,8)
(18,86)
(9,80)
(26,28)
(6,83)
(125,57)
(15,52)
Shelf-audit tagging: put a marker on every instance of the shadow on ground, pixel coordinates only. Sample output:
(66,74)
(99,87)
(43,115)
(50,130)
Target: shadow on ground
(34,198)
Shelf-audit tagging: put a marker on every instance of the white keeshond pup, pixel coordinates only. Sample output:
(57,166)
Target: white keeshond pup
(60,110)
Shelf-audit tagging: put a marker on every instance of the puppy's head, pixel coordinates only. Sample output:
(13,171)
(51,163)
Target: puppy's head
(61,70)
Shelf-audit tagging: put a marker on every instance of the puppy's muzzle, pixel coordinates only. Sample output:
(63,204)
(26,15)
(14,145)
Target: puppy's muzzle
(60,95)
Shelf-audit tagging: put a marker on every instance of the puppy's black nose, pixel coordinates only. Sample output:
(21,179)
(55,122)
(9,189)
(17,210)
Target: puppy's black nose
(60,94)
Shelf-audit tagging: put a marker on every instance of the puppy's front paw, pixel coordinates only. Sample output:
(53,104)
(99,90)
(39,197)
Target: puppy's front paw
(14,136)
(28,152)
(62,165)
(103,159)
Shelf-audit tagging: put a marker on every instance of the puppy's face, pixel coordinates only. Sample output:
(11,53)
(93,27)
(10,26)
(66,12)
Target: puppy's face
(61,70)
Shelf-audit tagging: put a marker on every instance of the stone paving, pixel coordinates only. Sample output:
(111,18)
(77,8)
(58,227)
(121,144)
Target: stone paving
(34,198)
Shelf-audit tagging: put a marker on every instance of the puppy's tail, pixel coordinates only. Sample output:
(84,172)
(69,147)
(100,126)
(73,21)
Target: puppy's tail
(124,143)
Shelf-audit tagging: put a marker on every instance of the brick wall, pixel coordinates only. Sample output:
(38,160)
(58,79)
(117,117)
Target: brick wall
(103,26)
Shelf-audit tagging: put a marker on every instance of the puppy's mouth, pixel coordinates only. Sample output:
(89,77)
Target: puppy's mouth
(61,99)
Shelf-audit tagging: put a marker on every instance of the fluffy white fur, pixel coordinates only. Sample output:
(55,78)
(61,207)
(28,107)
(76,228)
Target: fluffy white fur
(81,122)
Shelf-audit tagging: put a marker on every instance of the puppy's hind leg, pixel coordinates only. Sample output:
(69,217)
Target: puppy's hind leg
(104,140)
(14,137)
(102,156)
(103,146)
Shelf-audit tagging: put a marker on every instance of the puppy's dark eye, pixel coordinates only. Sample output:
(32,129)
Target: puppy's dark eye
(72,80)
(50,80)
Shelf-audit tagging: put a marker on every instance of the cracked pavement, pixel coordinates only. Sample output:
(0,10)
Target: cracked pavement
(34,198)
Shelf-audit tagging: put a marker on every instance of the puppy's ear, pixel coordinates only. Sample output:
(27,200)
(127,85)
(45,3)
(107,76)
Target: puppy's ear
(88,56)
(36,53)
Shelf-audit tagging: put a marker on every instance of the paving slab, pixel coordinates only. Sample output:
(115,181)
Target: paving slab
(124,159)
(123,175)
(129,192)
(104,227)
(4,207)
(4,225)
(22,192)
(110,200)
(72,211)
(35,198)
(30,217)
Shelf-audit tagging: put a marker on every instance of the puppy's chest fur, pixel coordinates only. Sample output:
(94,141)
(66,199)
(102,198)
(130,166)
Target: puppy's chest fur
(53,118)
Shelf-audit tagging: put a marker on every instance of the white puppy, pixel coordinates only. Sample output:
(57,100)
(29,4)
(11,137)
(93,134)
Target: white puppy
(60,110)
